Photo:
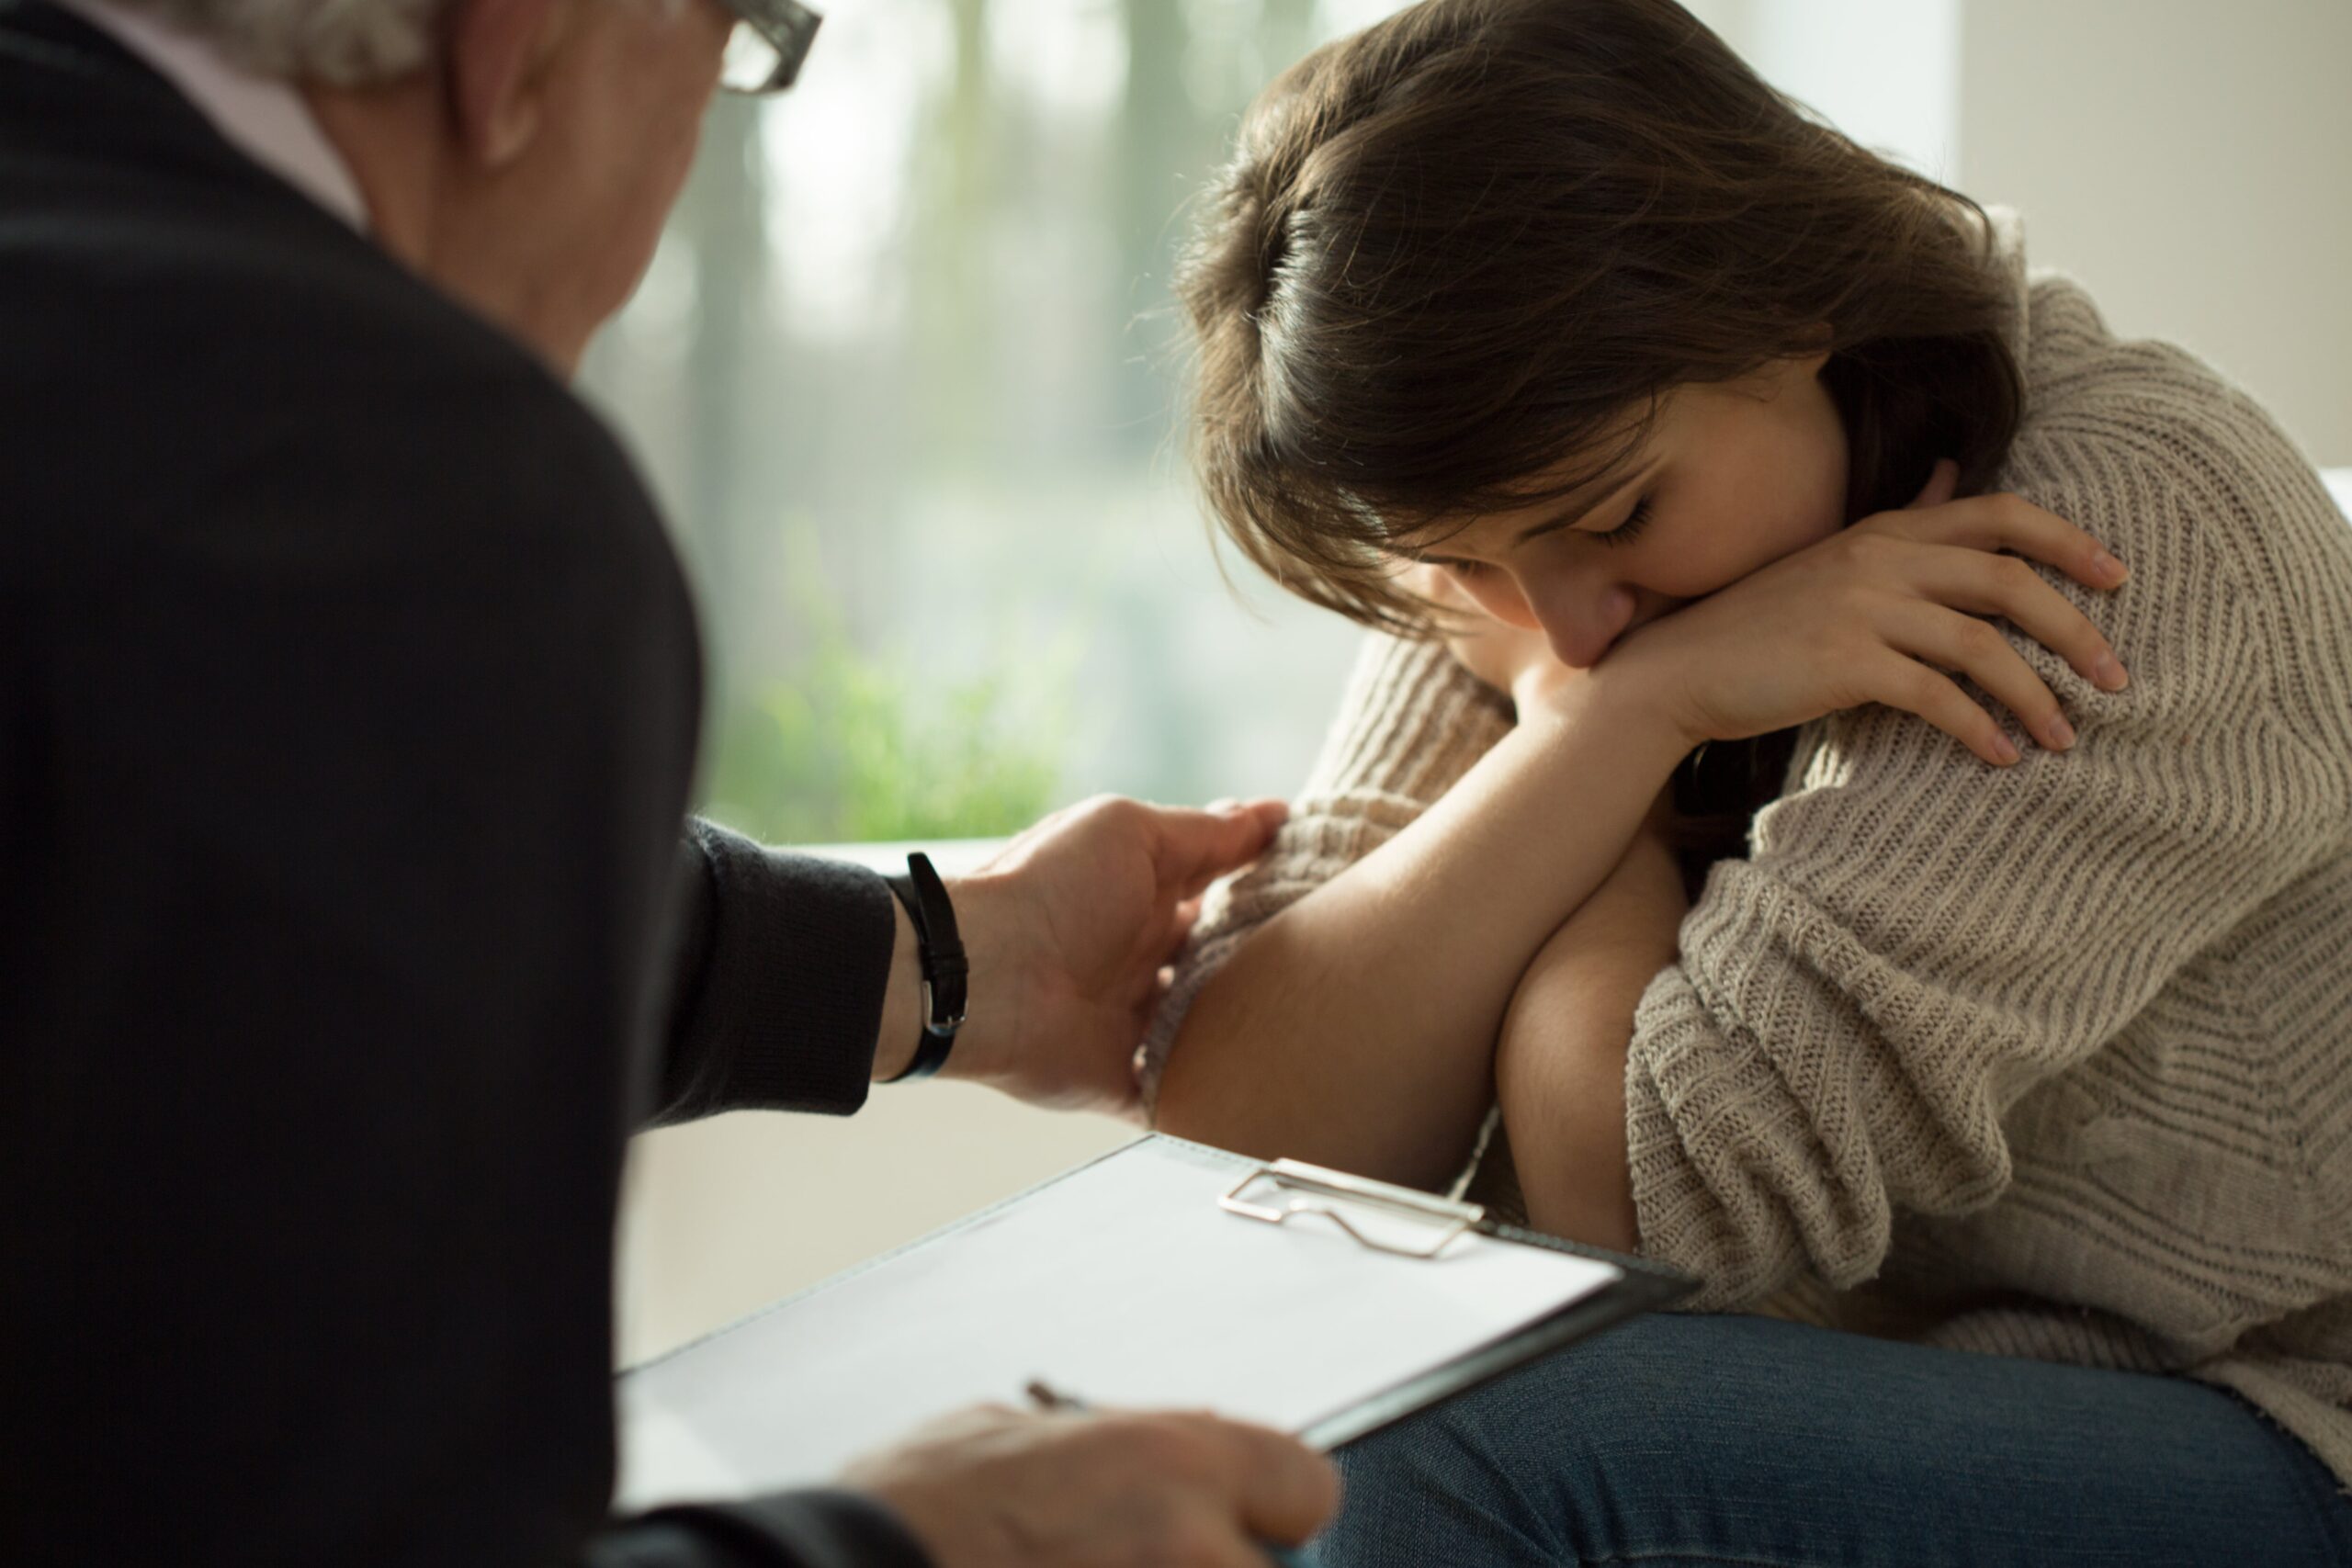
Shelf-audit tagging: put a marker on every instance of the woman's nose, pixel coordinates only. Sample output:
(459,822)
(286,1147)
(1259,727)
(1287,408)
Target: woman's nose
(1580,620)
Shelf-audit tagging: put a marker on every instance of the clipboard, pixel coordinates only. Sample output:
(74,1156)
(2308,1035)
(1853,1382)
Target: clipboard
(1162,1274)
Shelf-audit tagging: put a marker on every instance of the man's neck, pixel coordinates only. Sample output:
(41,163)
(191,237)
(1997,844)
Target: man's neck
(395,139)
(384,136)
(381,158)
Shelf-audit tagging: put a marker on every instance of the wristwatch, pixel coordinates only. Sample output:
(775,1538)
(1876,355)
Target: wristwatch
(945,971)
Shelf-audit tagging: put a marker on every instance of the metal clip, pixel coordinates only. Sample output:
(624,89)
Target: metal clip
(1295,1176)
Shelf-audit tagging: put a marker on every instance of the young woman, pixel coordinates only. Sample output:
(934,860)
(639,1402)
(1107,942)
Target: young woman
(1752,802)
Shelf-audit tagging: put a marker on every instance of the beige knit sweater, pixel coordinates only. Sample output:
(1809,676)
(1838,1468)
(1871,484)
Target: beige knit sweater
(2051,1061)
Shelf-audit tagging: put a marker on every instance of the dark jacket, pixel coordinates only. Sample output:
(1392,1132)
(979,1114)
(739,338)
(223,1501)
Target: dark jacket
(348,700)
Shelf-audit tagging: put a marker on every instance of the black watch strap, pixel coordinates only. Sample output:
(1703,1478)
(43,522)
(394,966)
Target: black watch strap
(946,972)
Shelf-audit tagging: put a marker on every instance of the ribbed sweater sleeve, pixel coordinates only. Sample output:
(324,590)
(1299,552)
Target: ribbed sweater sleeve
(1917,941)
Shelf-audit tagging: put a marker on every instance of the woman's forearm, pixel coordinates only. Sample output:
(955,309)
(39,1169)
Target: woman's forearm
(1560,1067)
(1357,1028)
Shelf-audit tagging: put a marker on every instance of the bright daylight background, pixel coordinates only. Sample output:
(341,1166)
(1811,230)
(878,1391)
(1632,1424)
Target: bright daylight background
(904,375)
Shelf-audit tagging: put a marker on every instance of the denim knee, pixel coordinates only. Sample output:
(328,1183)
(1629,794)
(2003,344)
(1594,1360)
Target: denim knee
(1689,1439)
(1531,1469)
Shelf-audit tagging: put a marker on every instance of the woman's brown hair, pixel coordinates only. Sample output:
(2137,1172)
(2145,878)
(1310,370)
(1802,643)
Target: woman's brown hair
(1478,243)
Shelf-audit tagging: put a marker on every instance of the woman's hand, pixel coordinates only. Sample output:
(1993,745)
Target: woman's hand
(1876,614)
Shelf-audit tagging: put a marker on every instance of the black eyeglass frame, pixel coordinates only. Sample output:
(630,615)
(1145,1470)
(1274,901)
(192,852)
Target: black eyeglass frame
(788,27)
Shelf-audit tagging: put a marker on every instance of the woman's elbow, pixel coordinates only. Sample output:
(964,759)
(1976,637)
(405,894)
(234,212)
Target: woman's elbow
(1560,1077)
(1196,1098)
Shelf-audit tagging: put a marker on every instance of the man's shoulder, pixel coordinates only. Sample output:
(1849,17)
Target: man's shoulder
(245,291)
(168,353)
(161,293)
(214,383)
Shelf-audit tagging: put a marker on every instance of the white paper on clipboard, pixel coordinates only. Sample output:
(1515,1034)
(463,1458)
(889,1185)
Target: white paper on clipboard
(1123,1282)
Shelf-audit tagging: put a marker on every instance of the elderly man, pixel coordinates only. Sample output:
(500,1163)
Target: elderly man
(348,697)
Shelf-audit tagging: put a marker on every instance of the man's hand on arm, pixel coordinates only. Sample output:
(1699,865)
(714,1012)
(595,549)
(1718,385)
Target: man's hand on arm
(1068,930)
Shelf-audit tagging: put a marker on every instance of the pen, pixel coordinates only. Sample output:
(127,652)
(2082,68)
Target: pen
(1050,1399)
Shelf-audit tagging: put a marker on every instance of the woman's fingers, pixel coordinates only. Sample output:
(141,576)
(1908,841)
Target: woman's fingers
(2013,522)
(1985,584)
(1963,570)
(1910,685)
(1970,647)
(1922,587)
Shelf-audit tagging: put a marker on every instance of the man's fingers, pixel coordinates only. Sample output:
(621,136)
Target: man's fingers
(1198,847)
(1149,990)
(1286,1491)
(1180,922)
(1281,1490)
(1125,1104)
(1217,1545)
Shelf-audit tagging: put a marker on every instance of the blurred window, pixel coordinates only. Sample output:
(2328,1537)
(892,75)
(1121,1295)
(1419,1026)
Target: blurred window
(905,376)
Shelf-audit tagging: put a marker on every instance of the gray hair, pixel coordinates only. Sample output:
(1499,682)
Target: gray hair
(350,43)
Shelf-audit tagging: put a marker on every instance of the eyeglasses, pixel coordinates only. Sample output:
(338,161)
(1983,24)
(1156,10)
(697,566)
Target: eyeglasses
(770,41)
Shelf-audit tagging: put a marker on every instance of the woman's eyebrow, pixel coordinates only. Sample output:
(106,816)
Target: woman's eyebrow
(1576,514)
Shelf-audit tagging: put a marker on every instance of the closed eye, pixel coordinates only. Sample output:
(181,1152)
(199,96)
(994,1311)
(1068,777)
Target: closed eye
(1627,531)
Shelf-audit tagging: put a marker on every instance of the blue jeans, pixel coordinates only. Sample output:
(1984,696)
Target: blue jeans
(1680,1439)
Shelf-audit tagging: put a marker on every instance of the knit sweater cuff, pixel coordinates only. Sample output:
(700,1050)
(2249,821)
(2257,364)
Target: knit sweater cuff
(1678,1222)
(1728,1173)
(1412,723)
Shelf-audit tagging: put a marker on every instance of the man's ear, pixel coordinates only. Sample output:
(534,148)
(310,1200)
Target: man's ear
(498,54)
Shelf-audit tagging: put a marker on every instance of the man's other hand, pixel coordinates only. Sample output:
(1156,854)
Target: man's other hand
(996,1488)
(1069,931)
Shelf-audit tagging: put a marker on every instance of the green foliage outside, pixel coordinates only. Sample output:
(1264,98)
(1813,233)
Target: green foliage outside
(856,746)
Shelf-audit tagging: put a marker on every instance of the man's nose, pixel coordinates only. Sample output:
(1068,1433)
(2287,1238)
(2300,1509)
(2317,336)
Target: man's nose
(1581,619)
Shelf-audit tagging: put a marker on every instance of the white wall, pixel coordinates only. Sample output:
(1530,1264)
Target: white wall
(2191,164)
(727,1214)
(1884,71)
